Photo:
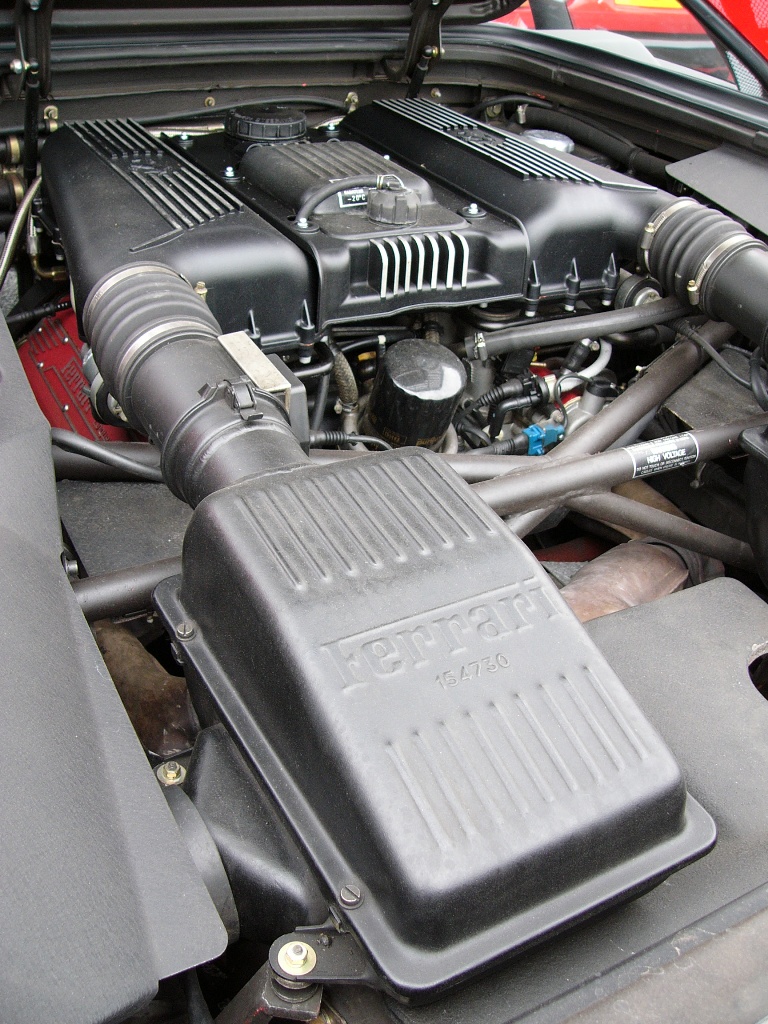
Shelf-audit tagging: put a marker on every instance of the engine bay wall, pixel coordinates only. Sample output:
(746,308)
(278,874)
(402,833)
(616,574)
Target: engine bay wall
(84,892)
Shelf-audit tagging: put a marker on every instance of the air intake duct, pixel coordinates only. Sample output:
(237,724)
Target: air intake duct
(157,346)
(709,260)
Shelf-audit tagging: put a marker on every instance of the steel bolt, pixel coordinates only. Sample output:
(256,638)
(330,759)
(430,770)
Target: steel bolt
(17,66)
(351,896)
(171,773)
(296,959)
(185,630)
(436,94)
(302,224)
(209,101)
(297,954)
(229,172)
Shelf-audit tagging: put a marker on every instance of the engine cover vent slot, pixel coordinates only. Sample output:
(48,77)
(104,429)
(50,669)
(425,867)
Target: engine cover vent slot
(180,193)
(522,158)
(412,264)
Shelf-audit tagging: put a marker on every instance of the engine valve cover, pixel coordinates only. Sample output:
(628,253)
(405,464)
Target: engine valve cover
(434,723)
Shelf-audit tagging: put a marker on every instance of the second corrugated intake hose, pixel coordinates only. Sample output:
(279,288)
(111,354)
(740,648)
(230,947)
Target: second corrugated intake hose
(156,345)
(709,260)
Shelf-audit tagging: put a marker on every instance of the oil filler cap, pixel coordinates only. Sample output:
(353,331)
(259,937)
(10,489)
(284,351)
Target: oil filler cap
(266,124)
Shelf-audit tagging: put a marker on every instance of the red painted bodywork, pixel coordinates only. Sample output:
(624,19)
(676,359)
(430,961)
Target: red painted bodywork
(748,17)
(51,359)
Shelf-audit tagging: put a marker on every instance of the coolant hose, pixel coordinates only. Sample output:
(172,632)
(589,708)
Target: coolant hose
(157,347)
(548,333)
(709,260)
(624,152)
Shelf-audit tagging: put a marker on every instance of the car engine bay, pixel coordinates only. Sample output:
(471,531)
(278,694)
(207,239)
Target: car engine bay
(412,463)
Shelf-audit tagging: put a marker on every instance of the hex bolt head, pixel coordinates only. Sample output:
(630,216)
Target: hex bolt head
(171,773)
(351,896)
(297,954)
(185,630)
(229,171)
(296,958)
(472,211)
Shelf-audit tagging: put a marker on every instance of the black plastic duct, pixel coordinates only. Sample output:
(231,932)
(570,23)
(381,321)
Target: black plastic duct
(156,345)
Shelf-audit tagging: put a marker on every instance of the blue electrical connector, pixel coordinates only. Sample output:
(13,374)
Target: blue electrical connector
(541,438)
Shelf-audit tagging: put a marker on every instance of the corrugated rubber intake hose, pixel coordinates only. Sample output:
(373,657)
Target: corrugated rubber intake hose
(709,260)
(156,344)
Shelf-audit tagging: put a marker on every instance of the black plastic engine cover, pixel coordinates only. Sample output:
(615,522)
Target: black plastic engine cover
(155,206)
(569,208)
(431,718)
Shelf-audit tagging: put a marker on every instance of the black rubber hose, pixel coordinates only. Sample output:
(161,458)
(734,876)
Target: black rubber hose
(547,334)
(516,445)
(31,114)
(344,376)
(759,389)
(500,411)
(70,466)
(309,205)
(27,316)
(320,438)
(321,398)
(156,345)
(706,258)
(124,591)
(587,133)
(79,445)
(501,101)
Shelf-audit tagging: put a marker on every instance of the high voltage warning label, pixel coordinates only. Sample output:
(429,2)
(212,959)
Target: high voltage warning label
(651,457)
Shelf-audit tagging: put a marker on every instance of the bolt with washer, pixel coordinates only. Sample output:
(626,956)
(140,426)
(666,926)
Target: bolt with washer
(472,211)
(171,773)
(296,958)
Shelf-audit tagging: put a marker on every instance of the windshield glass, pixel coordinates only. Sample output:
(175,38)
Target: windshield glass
(638,29)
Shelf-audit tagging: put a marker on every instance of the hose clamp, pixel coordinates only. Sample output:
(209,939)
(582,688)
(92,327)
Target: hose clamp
(480,348)
(658,219)
(728,245)
(121,275)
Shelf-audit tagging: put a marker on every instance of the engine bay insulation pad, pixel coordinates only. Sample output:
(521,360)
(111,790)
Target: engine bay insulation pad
(434,723)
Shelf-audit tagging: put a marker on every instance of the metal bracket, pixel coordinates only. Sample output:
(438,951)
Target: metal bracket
(338,957)
(424,36)
(257,366)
